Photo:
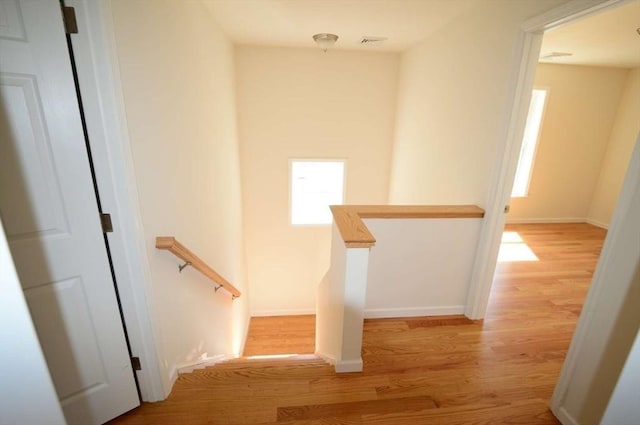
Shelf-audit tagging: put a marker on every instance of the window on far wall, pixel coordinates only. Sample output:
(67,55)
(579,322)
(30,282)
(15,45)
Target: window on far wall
(529,144)
(315,184)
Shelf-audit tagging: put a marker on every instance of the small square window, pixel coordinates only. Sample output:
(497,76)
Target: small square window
(315,184)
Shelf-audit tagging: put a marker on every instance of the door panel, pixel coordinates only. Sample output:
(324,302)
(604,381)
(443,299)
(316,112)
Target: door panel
(49,208)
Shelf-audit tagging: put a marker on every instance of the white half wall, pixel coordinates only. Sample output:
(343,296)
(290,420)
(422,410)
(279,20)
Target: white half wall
(420,267)
(340,306)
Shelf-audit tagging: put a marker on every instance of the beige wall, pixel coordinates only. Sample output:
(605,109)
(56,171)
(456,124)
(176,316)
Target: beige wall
(454,103)
(303,103)
(579,114)
(178,81)
(616,160)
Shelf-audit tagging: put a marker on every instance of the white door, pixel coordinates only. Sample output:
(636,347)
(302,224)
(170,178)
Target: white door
(48,205)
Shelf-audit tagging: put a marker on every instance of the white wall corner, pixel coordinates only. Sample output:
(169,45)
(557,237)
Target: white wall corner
(243,341)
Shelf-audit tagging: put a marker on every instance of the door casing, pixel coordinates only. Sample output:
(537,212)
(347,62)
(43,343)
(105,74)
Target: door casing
(101,89)
(96,61)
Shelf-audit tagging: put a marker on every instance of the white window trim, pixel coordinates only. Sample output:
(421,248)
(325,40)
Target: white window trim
(344,186)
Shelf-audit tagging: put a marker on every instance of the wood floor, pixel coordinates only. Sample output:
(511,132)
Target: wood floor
(445,370)
(281,334)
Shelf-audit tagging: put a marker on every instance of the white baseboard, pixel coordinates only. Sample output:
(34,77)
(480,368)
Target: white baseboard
(200,363)
(563,416)
(558,220)
(283,312)
(597,223)
(546,220)
(380,313)
(346,366)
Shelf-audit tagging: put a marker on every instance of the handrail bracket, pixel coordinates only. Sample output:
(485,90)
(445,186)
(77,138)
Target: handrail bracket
(182,267)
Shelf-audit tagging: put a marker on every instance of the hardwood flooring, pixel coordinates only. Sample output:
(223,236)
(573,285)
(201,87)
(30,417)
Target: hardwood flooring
(281,334)
(432,370)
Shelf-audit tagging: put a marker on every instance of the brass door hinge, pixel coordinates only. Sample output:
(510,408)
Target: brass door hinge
(70,23)
(135,363)
(105,221)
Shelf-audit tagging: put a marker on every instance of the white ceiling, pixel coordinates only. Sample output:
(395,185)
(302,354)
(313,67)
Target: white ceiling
(605,39)
(292,23)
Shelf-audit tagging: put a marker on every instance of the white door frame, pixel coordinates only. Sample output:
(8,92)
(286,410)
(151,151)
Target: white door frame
(507,161)
(613,278)
(99,79)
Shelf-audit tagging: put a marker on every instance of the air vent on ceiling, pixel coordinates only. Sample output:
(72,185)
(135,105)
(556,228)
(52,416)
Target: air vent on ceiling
(553,55)
(372,40)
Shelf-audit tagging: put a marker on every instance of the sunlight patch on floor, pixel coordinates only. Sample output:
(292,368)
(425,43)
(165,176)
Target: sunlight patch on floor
(513,248)
(271,356)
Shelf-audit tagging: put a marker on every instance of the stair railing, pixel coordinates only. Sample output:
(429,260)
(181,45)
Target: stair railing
(170,244)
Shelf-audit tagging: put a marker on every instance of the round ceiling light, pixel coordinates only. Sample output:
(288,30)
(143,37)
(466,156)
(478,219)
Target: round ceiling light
(325,40)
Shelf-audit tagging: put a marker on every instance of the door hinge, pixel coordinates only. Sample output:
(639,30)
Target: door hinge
(507,208)
(70,23)
(105,220)
(135,363)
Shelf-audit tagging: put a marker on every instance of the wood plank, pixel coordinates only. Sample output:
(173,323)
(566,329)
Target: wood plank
(280,335)
(356,234)
(384,406)
(170,244)
(499,370)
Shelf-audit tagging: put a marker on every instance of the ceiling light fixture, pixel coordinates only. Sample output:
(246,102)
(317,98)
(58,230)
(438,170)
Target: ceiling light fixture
(325,40)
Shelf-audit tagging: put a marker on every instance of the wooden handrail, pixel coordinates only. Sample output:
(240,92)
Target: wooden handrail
(172,245)
(355,233)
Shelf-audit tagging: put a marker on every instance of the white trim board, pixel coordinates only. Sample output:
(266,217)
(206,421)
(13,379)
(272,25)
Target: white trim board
(558,220)
(521,84)
(608,319)
(381,313)
(598,301)
(98,74)
(563,416)
(597,223)
(284,312)
(546,220)
(347,366)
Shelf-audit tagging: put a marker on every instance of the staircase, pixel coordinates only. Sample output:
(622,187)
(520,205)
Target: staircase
(270,363)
